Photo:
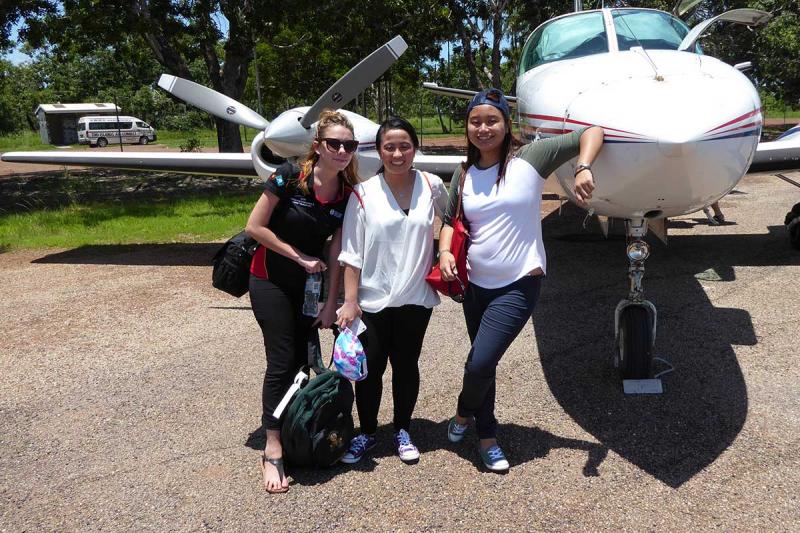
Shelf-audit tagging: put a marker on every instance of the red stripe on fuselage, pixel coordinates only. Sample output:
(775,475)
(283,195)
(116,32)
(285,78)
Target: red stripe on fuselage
(737,119)
(572,121)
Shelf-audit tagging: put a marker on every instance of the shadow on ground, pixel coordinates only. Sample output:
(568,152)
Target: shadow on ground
(170,254)
(675,435)
(57,188)
(522,444)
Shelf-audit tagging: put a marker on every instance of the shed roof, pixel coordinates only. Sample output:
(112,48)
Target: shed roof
(78,108)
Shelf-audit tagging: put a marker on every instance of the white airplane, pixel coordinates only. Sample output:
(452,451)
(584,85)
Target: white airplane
(681,129)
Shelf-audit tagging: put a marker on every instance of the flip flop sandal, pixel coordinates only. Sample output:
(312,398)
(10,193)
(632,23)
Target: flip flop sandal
(278,464)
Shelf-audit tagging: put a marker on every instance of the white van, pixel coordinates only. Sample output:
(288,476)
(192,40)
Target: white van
(101,130)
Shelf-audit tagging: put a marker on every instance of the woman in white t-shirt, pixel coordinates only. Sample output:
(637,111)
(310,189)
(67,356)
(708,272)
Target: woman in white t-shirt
(387,250)
(501,204)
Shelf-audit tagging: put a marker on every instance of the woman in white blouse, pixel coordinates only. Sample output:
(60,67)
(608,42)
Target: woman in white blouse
(387,250)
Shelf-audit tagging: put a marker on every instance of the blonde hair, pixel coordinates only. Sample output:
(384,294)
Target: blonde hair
(327,119)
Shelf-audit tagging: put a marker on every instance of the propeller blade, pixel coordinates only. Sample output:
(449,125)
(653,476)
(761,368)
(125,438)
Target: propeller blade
(210,100)
(356,80)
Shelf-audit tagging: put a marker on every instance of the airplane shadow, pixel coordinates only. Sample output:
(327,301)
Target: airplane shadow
(675,435)
(523,444)
(168,254)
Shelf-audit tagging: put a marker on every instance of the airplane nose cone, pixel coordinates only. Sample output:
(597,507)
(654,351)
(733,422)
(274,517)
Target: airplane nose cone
(673,144)
(286,137)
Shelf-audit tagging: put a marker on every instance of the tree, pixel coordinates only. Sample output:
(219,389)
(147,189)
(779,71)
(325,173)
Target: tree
(175,32)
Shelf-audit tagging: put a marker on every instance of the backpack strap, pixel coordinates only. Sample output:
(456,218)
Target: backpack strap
(299,381)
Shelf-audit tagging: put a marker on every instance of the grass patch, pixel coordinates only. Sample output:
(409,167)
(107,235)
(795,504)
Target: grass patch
(181,220)
(24,141)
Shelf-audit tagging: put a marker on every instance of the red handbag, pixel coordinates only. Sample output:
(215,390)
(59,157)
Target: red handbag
(458,247)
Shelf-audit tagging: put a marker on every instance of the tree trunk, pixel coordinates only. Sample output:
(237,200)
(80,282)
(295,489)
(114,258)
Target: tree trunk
(229,138)
(459,17)
(497,36)
(441,120)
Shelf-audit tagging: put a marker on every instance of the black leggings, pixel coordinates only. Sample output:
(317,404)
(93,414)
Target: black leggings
(393,334)
(287,333)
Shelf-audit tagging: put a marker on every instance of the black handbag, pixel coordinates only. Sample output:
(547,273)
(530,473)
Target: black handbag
(231,271)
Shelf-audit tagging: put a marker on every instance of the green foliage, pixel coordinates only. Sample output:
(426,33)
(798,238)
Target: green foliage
(185,220)
(24,140)
(191,145)
(83,53)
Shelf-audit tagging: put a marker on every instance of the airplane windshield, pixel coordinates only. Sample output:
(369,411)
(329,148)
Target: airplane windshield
(652,30)
(565,38)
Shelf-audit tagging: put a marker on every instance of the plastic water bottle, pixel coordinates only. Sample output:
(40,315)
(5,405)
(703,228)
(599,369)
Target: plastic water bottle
(313,286)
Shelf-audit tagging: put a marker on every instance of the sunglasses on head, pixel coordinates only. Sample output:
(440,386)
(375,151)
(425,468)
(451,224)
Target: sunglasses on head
(333,145)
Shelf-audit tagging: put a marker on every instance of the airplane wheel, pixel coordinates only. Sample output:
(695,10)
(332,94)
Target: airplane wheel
(635,343)
(143,140)
(102,142)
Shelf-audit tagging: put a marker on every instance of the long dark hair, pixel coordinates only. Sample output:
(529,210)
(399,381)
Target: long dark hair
(395,123)
(509,147)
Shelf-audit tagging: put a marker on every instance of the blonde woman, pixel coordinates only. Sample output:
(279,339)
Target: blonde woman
(301,207)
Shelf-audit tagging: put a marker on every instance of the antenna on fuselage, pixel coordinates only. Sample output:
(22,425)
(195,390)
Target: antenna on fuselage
(640,47)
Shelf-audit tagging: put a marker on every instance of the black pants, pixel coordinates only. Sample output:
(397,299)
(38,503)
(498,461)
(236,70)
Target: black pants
(287,331)
(494,319)
(394,334)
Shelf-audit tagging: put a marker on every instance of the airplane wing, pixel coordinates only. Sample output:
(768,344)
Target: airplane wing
(441,165)
(783,152)
(213,164)
(461,93)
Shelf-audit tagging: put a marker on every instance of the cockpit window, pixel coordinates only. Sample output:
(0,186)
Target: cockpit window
(565,38)
(652,30)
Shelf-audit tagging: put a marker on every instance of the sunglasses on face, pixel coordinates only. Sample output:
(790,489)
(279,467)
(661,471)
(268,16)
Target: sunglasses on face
(333,145)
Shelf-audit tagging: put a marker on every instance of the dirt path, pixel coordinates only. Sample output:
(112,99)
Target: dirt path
(130,397)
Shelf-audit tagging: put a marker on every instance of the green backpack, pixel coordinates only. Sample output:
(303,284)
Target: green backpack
(318,424)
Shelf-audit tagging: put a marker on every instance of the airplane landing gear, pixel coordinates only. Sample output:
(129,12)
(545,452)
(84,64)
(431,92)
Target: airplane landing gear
(635,317)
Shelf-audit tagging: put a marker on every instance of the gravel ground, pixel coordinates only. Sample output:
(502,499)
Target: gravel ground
(130,396)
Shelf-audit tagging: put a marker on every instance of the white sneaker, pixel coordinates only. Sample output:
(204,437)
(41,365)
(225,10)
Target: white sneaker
(405,448)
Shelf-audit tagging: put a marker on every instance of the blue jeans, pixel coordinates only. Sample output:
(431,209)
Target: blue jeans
(494,319)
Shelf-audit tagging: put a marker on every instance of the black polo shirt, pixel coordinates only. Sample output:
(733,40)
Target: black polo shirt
(299,219)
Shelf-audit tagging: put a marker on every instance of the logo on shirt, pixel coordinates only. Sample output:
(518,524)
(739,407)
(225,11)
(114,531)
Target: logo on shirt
(301,202)
(335,213)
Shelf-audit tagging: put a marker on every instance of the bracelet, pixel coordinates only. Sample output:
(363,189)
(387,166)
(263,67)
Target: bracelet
(581,167)
(443,251)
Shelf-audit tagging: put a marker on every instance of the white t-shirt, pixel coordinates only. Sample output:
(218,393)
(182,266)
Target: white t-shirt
(393,250)
(504,219)
(505,229)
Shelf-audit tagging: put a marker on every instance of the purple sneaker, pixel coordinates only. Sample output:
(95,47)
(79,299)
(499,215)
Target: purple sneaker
(359,446)
(405,448)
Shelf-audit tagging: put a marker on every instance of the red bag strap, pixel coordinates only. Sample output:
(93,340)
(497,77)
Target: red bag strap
(358,196)
(427,180)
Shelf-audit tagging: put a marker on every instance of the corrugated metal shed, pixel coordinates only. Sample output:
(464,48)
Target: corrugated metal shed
(58,122)
(99,108)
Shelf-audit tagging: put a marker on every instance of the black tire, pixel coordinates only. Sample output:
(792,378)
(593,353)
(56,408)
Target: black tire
(143,140)
(102,142)
(635,343)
